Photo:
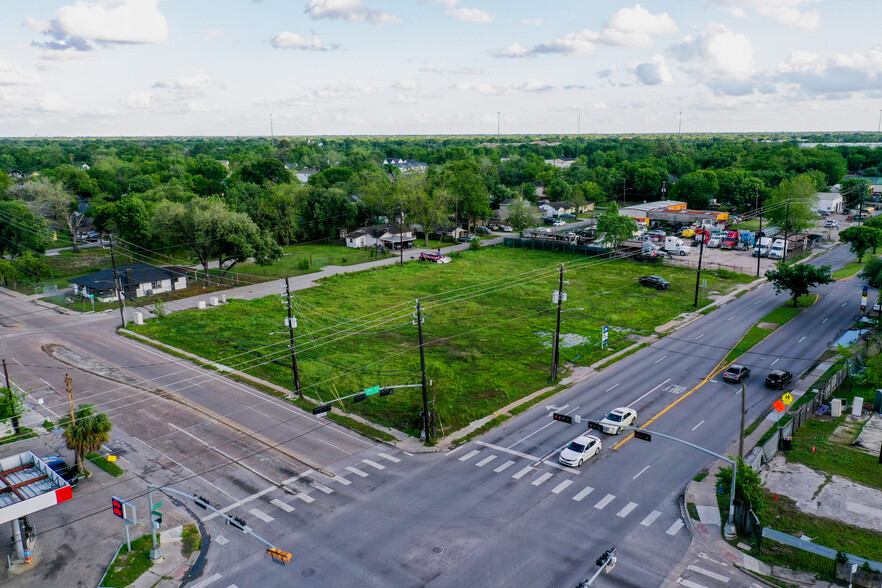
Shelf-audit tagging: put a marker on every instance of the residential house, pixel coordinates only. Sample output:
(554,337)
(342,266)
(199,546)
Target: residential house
(136,279)
(390,236)
(561,162)
(303,174)
(406,165)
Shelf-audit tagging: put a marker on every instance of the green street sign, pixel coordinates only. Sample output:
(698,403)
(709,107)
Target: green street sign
(156,513)
(157,505)
(371,390)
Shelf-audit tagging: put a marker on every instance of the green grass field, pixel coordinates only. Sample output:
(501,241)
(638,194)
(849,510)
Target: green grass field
(303,259)
(488,327)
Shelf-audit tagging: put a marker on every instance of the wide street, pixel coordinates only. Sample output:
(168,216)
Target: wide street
(497,511)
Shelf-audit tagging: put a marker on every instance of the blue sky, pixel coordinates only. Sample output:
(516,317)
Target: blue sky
(351,67)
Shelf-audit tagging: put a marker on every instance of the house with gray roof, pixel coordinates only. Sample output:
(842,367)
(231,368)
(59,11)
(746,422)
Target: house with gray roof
(136,280)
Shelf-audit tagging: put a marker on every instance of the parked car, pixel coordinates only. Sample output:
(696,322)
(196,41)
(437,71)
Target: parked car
(467,238)
(824,213)
(778,379)
(558,223)
(736,373)
(60,467)
(830,223)
(580,449)
(507,229)
(612,423)
(656,282)
(482,230)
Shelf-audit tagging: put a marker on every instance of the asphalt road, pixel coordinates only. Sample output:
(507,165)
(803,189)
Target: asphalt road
(498,511)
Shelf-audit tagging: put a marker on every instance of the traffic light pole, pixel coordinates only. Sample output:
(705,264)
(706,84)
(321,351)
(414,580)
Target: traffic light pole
(698,275)
(419,319)
(156,550)
(294,369)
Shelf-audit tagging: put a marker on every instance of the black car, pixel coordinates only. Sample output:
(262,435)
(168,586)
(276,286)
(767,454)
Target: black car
(736,373)
(778,379)
(656,282)
(62,469)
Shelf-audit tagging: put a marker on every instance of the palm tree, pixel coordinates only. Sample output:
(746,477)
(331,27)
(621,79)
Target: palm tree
(86,433)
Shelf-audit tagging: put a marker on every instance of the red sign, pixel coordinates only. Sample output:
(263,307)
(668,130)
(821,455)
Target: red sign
(779,406)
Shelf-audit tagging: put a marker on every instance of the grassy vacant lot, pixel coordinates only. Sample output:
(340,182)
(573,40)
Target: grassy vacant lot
(489,322)
(302,259)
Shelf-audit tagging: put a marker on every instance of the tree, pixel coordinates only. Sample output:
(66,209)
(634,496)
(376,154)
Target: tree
(86,433)
(264,170)
(793,203)
(854,191)
(798,278)
(613,229)
(428,207)
(696,188)
(522,214)
(322,210)
(464,182)
(748,486)
(213,232)
(860,239)
(129,218)
(872,272)
(60,203)
(21,230)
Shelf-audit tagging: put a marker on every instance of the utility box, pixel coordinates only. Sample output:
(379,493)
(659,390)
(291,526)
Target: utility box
(877,402)
(201,305)
(213,300)
(223,298)
(836,407)
(857,407)
(139,318)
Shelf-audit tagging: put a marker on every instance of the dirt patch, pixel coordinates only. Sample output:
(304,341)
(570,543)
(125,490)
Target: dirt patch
(765,325)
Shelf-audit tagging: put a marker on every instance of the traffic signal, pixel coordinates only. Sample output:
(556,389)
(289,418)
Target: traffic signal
(322,408)
(594,425)
(602,559)
(386,391)
(237,522)
(201,502)
(278,554)
(116,504)
(564,418)
(643,435)
(359,397)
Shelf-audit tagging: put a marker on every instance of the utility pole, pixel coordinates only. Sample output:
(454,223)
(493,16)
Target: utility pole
(419,321)
(555,352)
(698,276)
(401,231)
(743,412)
(15,423)
(294,369)
(757,244)
(67,383)
(786,225)
(664,190)
(116,283)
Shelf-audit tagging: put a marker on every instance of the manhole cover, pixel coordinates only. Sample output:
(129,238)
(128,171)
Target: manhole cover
(306,573)
(438,549)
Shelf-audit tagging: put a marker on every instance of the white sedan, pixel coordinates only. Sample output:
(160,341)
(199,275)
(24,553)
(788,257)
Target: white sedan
(580,449)
(612,422)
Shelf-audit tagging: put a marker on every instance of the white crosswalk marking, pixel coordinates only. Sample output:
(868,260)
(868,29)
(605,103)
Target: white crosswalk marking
(542,478)
(469,455)
(672,530)
(650,518)
(588,490)
(357,471)
(708,573)
(373,464)
(485,461)
(321,488)
(504,466)
(522,473)
(305,497)
(689,583)
(342,480)
(388,457)
(281,505)
(627,510)
(606,500)
(207,581)
(261,515)
(560,487)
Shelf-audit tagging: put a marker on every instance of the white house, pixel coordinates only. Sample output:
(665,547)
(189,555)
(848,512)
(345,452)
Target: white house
(135,280)
(303,174)
(830,201)
(390,236)
(406,165)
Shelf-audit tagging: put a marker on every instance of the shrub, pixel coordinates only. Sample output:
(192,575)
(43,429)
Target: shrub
(475,244)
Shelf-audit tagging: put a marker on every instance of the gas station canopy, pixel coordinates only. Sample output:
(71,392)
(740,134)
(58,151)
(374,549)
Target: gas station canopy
(27,485)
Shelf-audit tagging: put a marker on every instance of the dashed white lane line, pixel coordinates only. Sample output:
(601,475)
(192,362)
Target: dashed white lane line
(282,505)
(689,583)
(604,501)
(388,457)
(261,515)
(588,490)
(640,472)
(469,455)
(648,393)
(650,518)
(730,318)
(660,359)
(504,466)
(560,487)
(613,386)
(825,320)
(627,510)
(542,478)
(373,464)
(207,581)
(801,340)
(305,497)
(708,573)
(672,530)
(520,474)
(774,362)
(699,337)
(485,461)
(357,471)
(701,422)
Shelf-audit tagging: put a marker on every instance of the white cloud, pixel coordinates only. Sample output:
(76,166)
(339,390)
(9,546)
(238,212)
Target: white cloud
(532,21)
(212,35)
(341,90)
(11,75)
(198,81)
(639,20)
(104,22)
(514,51)
(785,12)
(200,107)
(532,85)
(717,52)
(842,74)
(571,44)
(137,99)
(350,11)
(405,85)
(653,73)
(288,40)
(470,15)
(53,102)
(468,71)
